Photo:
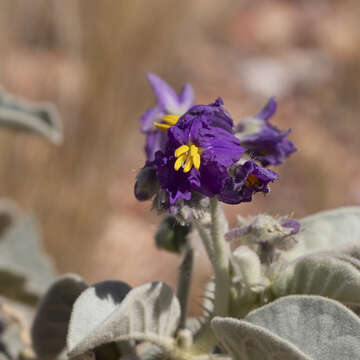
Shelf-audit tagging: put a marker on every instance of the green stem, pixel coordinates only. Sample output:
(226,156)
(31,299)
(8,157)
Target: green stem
(221,264)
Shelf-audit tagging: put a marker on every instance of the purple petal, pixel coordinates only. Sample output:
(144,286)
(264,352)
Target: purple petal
(186,97)
(155,141)
(292,224)
(166,95)
(269,146)
(222,150)
(231,196)
(151,115)
(174,182)
(212,178)
(218,102)
(214,115)
(177,137)
(268,110)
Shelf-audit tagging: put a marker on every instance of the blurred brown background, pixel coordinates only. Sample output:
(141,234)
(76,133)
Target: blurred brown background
(90,58)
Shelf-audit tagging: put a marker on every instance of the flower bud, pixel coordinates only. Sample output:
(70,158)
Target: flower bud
(248,264)
(171,235)
(146,184)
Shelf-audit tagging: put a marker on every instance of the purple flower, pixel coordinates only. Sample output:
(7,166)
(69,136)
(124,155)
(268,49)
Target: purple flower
(246,180)
(169,103)
(263,141)
(199,151)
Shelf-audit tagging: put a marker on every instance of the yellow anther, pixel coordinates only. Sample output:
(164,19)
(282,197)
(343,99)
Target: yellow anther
(181,150)
(187,157)
(171,119)
(196,161)
(168,122)
(188,164)
(252,180)
(193,150)
(195,156)
(179,161)
(163,127)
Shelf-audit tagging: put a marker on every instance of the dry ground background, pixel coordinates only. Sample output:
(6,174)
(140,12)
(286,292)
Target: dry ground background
(90,58)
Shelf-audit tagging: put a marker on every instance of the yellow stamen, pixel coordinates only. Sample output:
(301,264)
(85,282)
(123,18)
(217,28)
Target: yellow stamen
(163,127)
(169,120)
(187,157)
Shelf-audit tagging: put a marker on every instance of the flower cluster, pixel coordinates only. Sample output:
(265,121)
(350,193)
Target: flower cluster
(196,151)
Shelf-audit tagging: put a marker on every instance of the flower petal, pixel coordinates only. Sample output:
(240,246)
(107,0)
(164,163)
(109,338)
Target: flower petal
(155,141)
(151,115)
(268,110)
(186,97)
(165,94)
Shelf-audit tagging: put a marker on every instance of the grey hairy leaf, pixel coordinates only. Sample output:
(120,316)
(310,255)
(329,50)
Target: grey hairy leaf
(333,276)
(149,312)
(351,249)
(26,271)
(41,117)
(92,307)
(326,230)
(51,322)
(322,328)
(245,341)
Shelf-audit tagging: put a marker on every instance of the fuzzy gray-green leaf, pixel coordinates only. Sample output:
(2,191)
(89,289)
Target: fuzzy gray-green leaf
(322,328)
(245,341)
(352,249)
(149,312)
(326,230)
(325,274)
(92,307)
(25,270)
(51,322)
(41,118)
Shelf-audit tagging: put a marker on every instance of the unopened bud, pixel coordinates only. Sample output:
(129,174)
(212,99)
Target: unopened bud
(146,184)
(171,235)
(248,264)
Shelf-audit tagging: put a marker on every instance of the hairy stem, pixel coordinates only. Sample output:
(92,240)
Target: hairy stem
(218,252)
(206,240)
(184,284)
(221,263)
